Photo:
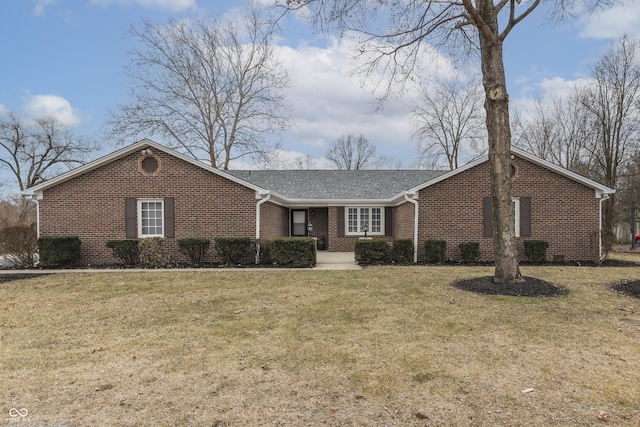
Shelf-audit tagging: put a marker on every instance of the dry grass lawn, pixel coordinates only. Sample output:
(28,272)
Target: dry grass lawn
(377,347)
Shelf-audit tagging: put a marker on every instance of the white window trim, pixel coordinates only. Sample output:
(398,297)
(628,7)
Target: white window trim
(361,233)
(516,208)
(144,236)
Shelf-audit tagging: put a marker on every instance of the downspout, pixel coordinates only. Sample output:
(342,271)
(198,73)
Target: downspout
(265,198)
(415,227)
(604,197)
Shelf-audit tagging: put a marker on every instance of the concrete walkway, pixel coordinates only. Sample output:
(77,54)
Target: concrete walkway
(335,261)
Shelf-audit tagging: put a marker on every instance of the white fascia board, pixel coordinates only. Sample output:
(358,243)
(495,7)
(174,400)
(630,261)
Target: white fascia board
(37,190)
(320,203)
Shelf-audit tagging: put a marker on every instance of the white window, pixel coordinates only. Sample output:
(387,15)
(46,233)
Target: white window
(150,218)
(515,206)
(360,219)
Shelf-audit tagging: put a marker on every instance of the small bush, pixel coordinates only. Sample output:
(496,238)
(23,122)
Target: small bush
(59,251)
(470,252)
(293,251)
(153,253)
(127,251)
(231,250)
(18,244)
(403,251)
(371,251)
(536,250)
(195,249)
(434,251)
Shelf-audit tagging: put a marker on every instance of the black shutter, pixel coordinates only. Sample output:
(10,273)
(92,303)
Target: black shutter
(388,221)
(340,221)
(487,217)
(131,225)
(525,216)
(169,217)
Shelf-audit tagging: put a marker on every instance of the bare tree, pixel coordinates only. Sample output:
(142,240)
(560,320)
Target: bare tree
(481,26)
(353,153)
(212,88)
(35,150)
(448,122)
(557,130)
(612,101)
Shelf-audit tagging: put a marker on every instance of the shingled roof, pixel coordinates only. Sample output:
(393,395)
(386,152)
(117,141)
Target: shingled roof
(337,184)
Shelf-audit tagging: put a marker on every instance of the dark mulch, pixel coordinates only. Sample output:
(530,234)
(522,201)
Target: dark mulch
(628,288)
(4,278)
(530,287)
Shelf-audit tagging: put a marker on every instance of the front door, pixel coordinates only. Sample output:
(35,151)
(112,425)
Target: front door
(298,222)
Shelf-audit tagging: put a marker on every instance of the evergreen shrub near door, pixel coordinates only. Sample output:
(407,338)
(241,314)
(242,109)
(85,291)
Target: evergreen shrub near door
(373,251)
(403,251)
(194,248)
(231,250)
(293,251)
(59,251)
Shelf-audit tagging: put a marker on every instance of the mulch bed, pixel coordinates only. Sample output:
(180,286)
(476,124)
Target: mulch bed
(530,287)
(628,288)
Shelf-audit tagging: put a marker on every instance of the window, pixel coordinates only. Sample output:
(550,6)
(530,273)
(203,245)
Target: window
(521,213)
(358,219)
(515,208)
(150,218)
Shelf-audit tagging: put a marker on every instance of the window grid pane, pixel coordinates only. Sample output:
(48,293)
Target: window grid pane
(376,220)
(364,219)
(151,221)
(353,220)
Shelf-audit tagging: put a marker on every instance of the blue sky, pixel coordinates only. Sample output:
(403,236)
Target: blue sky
(66,57)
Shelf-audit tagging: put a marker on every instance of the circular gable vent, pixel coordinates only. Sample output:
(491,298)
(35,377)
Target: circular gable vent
(150,164)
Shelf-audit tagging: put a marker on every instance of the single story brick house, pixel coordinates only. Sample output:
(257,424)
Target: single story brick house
(146,190)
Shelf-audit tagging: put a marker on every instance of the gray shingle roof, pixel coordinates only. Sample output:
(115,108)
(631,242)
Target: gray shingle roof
(337,184)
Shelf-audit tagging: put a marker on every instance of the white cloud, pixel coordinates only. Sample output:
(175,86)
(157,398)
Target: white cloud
(38,106)
(171,5)
(3,110)
(38,9)
(612,23)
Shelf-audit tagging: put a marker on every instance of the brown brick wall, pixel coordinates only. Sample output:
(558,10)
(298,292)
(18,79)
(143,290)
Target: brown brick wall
(92,206)
(274,221)
(403,219)
(563,212)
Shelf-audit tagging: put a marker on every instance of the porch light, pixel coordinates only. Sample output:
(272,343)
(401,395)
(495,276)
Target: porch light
(309,229)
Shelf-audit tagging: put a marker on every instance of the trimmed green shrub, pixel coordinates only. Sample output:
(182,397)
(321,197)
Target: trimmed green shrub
(231,250)
(372,251)
(194,248)
(18,245)
(127,251)
(59,251)
(536,250)
(153,253)
(434,251)
(470,252)
(293,251)
(403,251)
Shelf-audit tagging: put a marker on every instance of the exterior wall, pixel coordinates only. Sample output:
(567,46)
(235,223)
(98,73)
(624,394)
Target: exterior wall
(92,206)
(274,221)
(319,217)
(403,220)
(343,243)
(563,212)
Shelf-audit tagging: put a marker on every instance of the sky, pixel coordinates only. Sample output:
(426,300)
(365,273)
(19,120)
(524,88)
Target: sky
(66,58)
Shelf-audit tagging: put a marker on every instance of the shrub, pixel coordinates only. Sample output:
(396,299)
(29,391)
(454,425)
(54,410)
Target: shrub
(263,255)
(231,250)
(59,251)
(195,249)
(536,250)
(371,251)
(403,251)
(153,253)
(434,251)
(293,251)
(127,251)
(18,244)
(470,252)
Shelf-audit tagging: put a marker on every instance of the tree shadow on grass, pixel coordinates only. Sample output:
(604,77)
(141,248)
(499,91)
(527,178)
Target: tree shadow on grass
(530,287)
(5,278)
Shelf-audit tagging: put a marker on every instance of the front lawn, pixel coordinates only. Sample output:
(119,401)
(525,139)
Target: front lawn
(381,346)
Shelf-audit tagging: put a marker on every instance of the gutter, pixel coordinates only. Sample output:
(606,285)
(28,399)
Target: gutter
(415,226)
(602,199)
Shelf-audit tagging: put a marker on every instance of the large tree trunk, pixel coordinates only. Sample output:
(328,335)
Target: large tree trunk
(499,135)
